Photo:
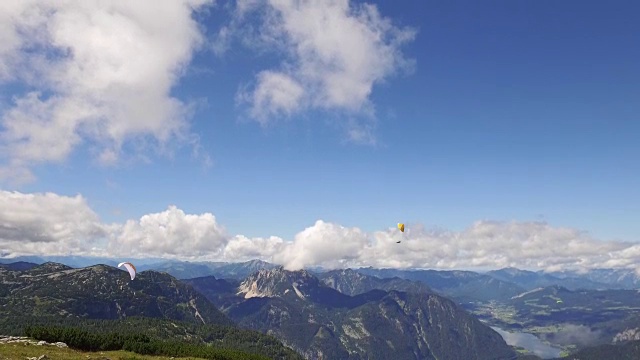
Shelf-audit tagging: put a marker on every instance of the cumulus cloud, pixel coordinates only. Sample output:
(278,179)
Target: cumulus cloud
(336,51)
(323,243)
(55,224)
(170,234)
(52,224)
(48,223)
(500,244)
(242,248)
(98,72)
(276,93)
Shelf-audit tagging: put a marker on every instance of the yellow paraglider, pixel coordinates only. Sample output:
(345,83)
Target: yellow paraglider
(401,228)
(130,268)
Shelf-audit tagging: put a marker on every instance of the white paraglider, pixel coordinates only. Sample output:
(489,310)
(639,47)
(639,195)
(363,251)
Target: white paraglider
(130,268)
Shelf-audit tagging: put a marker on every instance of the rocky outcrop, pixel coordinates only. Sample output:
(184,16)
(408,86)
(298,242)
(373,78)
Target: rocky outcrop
(627,335)
(25,340)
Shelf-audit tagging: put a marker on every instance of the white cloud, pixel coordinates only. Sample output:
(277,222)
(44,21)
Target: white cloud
(500,244)
(48,223)
(336,52)
(362,132)
(171,234)
(276,94)
(323,243)
(485,244)
(94,71)
(54,224)
(242,248)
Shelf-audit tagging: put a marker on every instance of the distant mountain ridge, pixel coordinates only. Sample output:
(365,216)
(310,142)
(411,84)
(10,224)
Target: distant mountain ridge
(524,279)
(614,278)
(463,286)
(531,280)
(221,270)
(179,270)
(80,261)
(351,282)
(18,266)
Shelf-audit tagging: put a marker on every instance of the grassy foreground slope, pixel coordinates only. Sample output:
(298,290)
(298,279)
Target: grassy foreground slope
(188,335)
(21,351)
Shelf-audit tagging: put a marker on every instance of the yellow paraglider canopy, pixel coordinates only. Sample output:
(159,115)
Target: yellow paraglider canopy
(401,227)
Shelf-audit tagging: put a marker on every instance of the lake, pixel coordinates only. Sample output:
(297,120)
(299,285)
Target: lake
(529,342)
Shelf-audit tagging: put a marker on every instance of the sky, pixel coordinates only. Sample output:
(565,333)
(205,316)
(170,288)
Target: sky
(503,133)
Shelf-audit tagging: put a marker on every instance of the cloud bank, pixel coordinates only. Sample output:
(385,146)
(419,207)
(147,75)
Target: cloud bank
(335,52)
(93,72)
(46,223)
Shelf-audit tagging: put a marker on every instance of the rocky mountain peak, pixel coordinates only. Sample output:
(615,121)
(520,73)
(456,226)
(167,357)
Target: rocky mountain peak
(48,267)
(277,282)
(350,272)
(258,264)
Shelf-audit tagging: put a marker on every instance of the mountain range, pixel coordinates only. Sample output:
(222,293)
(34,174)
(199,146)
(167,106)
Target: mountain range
(519,280)
(102,292)
(596,279)
(296,307)
(320,312)
(102,297)
(322,323)
(463,286)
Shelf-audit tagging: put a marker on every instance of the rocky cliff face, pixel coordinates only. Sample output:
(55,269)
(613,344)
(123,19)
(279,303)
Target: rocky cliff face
(278,283)
(627,335)
(322,323)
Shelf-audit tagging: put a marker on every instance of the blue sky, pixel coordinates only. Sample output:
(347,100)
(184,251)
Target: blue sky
(504,111)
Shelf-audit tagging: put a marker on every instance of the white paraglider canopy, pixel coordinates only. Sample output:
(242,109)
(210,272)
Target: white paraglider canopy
(130,268)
